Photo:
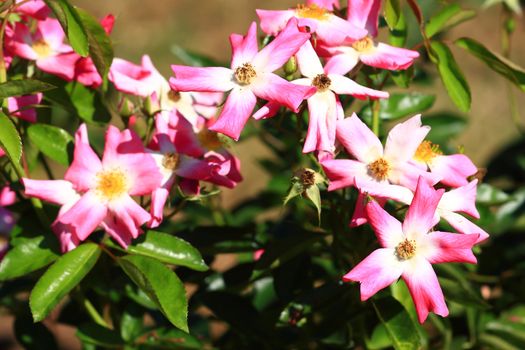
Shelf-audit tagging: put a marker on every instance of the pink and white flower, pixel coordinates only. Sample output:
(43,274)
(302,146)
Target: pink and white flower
(105,187)
(317,16)
(364,15)
(249,77)
(21,106)
(377,169)
(33,8)
(409,249)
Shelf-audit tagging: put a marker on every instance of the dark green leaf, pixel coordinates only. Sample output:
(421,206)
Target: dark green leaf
(33,336)
(10,139)
(161,285)
(398,34)
(449,16)
(131,323)
(491,195)
(168,249)
(54,142)
(171,338)
(23,87)
(444,127)
(61,277)
(494,61)
(95,334)
(71,22)
(399,326)
(392,13)
(451,75)
(399,106)
(100,47)
(29,255)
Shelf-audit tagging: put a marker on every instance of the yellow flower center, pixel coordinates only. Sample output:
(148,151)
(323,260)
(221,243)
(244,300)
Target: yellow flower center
(406,249)
(42,49)
(364,44)
(111,184)
(321,82)
(209,139)
(312,11)
(427,151)
(245,74)
(379,169)
(173,96)
(171,161)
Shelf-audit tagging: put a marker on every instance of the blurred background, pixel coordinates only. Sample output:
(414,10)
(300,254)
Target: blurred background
(158,27)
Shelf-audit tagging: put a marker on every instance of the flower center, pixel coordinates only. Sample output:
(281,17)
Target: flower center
(406,249)
(174,96)
(209,139)
(364,44)
(426,151)
(42,48)
(245,74)
(312,11)
(171,161)
(379,169)
(321,82)
(111,184)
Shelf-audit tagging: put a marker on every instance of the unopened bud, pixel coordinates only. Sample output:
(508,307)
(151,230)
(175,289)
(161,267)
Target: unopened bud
(290,67)
(126,108)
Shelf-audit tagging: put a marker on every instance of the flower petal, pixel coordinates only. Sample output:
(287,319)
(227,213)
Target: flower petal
(384,56)
(464,225)
(358,139)
(453,169)
(272,22)
(388,229)
(85,215)
(404,139)
(364,14)
(420,217)
(342,172)
(202,79)
(322,118)
(53,191)
(452,247)
(158,200)
(377,271)
(308,61)
(244,50)
(342,85)
(272,87)
(86,163)
(343,62)
(462,199)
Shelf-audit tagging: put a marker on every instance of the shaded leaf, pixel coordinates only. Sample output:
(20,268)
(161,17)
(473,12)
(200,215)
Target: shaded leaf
(92,333)
(10,140)
(399,106)
(71,22)
(449,16)
(61,277)
(33,336)
(161,285)
(392,13)
(192,58)
(54,142)
(171,338)
(23,87)
(451,75)
(490,195)
(444,126)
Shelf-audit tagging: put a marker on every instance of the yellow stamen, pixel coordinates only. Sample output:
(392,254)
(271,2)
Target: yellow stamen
(245,74)
(321,82)
(312,11)
(42,48)
(363,45)
(171,161)
(427,151)
(209,140)
(111,184)
(406,249)
(379,169)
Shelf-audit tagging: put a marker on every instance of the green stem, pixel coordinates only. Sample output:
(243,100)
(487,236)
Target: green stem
(93,313)
(375,117)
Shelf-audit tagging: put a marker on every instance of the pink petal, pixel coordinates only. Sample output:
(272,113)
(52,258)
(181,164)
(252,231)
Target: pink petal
(53,191)
(404,139)
(463,225)
(131,78)
(342,63)
(285,45)
(107,23)
(52,32)
(384,190)
(61,65)
(342,172)
(407,174)
(86,163)
(342,85)
(272,87)
(453,169)
(66,235)
(364,14)
(85,215)
(308,61)
(18,106)
(421,213)
(377,271)
(425,290)
(192,168)
(388,229)
(358,139)
(202,79)
(335,30)
(158,200)
(389,57)
(129,216)
(34,8)
(272,22)
(20,42)
(321,124)
(237,109)
(7,196)
(452,247)
(244,51)
(86,73)
(462,199)
(267,111)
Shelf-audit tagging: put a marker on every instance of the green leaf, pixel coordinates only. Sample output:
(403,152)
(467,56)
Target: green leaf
(33,336)
(131,323)
(23,87)
(60,278)
(399,326)
(398,34)
(451,75)
(71,22)
(449,16)
(171,338)
(392,13)
(490,195)
(444,127)
(29,255)
(10,140)
(100,47)
(95,334)
(314,196)
(399,106)
(161,285)
(494,61)
(168,249)
(54,142)
(192,58)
